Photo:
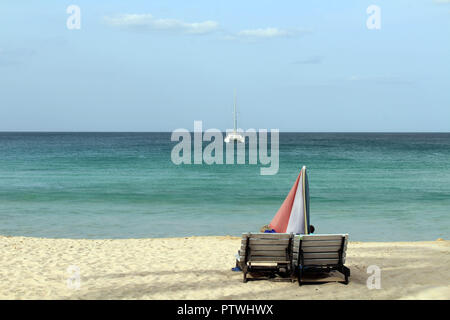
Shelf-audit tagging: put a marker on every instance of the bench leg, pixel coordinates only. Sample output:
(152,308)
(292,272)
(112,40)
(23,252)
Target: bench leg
(346,272)
(300,274)
(245,274)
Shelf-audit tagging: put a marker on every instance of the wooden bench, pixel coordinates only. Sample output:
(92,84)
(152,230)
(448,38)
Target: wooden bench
(320,253)
(265,252)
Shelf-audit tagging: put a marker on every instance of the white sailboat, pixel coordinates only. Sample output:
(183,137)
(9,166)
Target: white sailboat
(234,136)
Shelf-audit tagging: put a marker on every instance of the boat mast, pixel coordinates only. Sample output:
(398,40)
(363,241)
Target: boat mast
(234,114)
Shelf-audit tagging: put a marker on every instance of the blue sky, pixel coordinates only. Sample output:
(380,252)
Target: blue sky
(160,65)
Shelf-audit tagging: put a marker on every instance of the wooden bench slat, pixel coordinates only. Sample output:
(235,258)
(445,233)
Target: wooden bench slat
(319,237)
(267,242)
(267,259)
(281,253)
(317,242)
(321,261)
(266,247)
(324,235)
(320,255)
(295,258)
(272,236)
(320,249)
(321,243)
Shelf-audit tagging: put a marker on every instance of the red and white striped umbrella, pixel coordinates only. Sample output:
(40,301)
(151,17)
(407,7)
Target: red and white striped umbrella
(293,215)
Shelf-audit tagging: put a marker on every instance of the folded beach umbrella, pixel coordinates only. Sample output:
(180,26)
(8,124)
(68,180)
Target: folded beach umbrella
(293,215)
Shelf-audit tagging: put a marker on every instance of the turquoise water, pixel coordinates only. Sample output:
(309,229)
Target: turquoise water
(124,185)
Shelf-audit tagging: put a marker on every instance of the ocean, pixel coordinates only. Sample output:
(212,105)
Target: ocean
(374,186)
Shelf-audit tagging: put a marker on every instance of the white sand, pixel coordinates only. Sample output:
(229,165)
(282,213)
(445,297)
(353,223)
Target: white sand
(199,268)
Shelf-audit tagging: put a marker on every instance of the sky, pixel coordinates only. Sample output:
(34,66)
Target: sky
(299,66)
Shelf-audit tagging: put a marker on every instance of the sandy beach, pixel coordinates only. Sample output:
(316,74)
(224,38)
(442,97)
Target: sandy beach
(199,268)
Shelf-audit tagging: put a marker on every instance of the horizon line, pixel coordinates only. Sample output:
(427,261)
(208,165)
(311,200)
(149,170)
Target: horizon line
(268,130)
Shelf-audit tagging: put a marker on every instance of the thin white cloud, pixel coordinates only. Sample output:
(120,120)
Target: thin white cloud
(148,22)
(265,33)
